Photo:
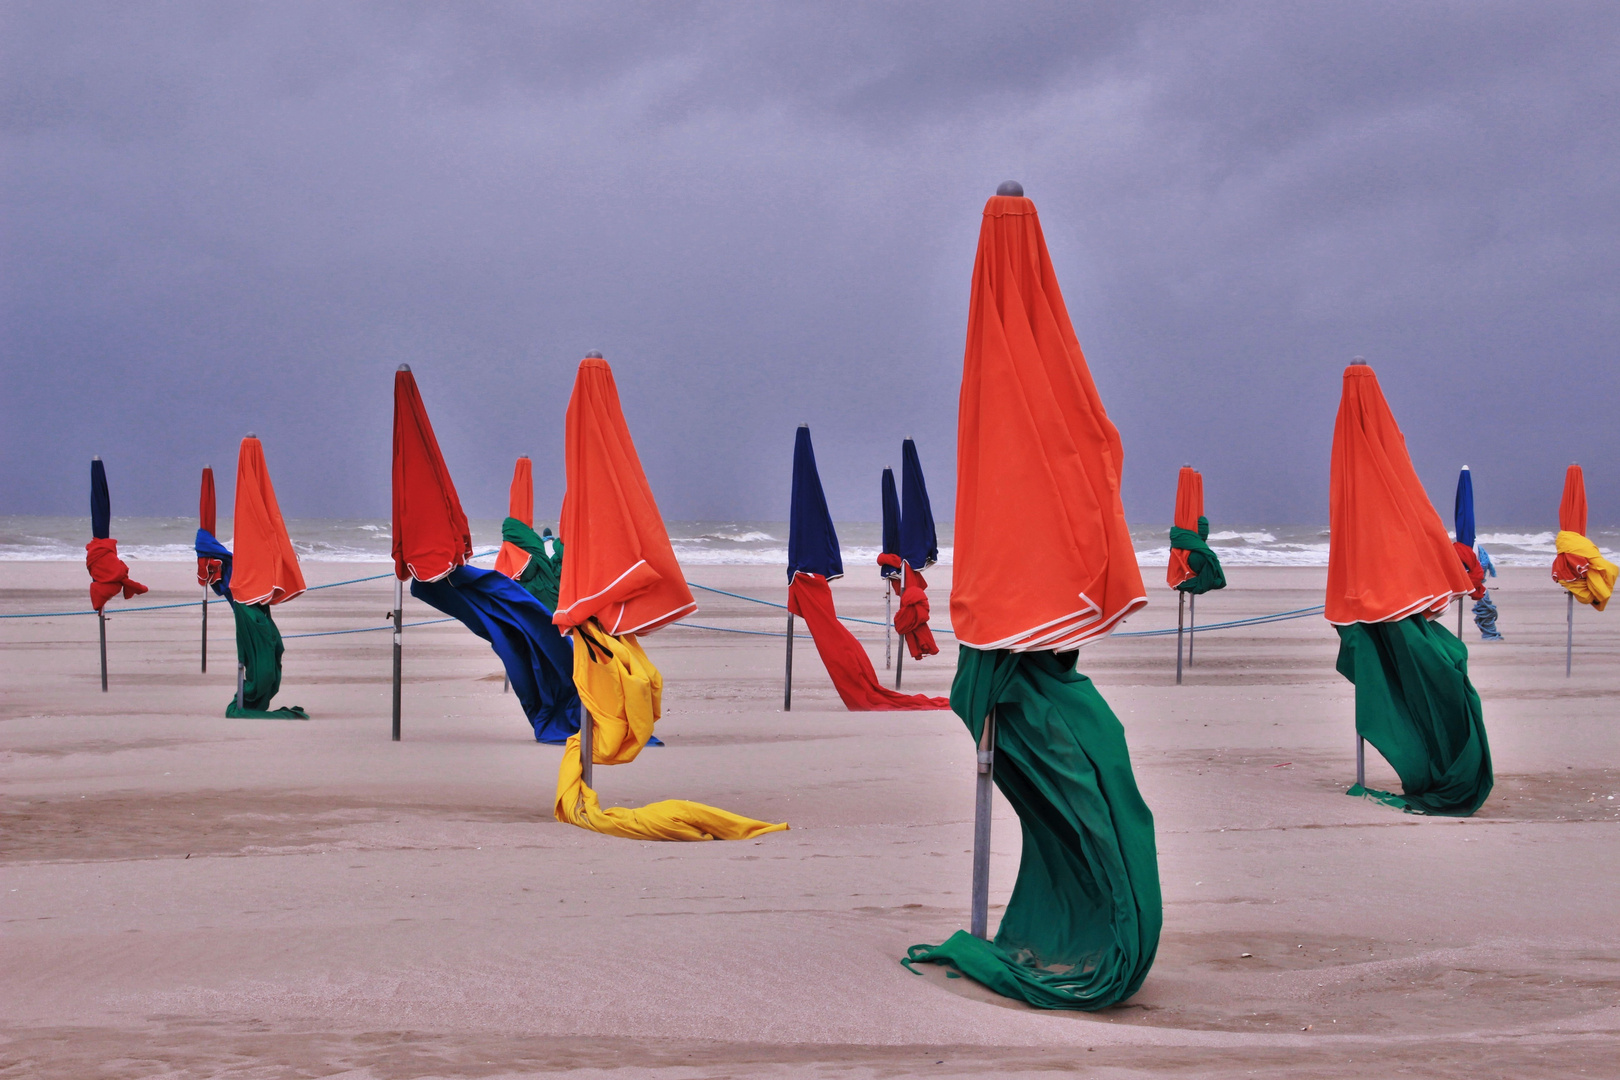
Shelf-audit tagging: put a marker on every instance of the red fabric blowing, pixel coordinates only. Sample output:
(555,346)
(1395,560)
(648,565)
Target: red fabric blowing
(431,537)
(856,681)
(109,575)
(911,621)
(1476,572)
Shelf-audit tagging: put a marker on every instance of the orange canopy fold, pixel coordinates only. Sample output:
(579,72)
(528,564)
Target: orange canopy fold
(264,565)
(1572,510)
(620,568)
(1389,555)
(519,504)
(1043,553)
(1189,508)
(431,537)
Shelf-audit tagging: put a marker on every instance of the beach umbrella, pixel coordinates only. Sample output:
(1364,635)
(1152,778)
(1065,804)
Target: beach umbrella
(519,508)
(891,548)
(1463,526)
(1579,566)
(620,582)
(1194,568)
(264,573)
(109,575)
(208,570)
(542,574)
(1392,573)
(919,547)
(813,561)
(1043,564)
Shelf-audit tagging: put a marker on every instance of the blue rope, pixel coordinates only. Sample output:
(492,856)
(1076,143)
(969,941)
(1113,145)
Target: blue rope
(367,629)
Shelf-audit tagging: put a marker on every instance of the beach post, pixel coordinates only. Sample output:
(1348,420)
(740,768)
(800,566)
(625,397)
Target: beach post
(241,683)
(399,604)
(787,678)
(1181,619)
(587,745)
(899,666)
(1569,643)
(1192,625)
(205,630)
(101,619)
(979,915)
(1459,617)
(1361,761)
(888,621)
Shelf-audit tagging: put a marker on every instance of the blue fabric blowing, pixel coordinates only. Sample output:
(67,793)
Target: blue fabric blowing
(539,663)
(209,547)
(812,543)
(100,502)
(919,542)
(1464,517)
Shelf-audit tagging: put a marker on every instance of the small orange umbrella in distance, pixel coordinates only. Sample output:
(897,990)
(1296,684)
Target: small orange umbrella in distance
(519,504)
(208,570)
(1579,566)
(1189,505)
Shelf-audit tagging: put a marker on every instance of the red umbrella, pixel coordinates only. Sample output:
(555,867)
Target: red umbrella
(431,536)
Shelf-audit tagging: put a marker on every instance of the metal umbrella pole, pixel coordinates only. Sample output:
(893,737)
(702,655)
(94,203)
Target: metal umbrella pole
(1181,618)
(888,622)
(241,684)
(787,677)
(399,604)
(899,665)
(101,619)
(205,629)
(1361,761)
(979,915)
(1192,625)
(1569,644)
(587,745)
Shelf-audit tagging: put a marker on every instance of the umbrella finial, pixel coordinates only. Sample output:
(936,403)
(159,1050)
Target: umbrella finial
(404,367)
(1354,360)
(1010,187)
(804,425)
(95,457)
(593,355)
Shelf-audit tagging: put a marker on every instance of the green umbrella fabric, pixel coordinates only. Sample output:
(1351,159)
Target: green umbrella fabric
(1414,703)
(1204,563)
(543,574)
(1082,925)
(258,649)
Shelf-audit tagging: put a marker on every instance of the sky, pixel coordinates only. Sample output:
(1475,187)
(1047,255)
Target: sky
(223,218)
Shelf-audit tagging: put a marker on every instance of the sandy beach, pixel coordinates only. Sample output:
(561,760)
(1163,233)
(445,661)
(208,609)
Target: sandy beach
(188,896)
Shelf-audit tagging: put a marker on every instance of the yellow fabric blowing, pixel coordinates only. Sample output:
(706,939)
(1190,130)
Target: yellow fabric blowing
(1598,584)
(621,694)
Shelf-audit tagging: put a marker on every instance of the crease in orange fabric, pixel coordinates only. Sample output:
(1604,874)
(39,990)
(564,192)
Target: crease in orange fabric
(1389,554)
(431,537)
(1189,508)
(1043,552)
(264,566)
(519,504)
(621,569)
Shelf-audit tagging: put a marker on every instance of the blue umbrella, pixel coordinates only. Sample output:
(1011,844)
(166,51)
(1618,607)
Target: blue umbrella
(1465,508)
(812,543)
(100,501)
(919,542)
(891,516)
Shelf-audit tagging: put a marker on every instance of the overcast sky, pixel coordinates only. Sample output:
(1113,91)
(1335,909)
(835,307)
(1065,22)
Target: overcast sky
(231,217)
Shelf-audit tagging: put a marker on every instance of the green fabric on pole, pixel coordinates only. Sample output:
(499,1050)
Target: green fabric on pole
(1414,703)
(542,576)
(1082,925)
(1204,563)
(258,649)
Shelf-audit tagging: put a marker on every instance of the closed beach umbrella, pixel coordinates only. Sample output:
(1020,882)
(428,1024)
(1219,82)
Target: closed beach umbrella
(919,547)
(431,537)
(208,570)
(1044,563)
(812,540)
(109,575)
(264,572)
(1392,572)
(621,580)
(1579,566)
(520,508)
(1463,529)
(891,515)
(1194,568)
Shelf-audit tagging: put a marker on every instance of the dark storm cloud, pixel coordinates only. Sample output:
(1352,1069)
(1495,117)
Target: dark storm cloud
(222,218)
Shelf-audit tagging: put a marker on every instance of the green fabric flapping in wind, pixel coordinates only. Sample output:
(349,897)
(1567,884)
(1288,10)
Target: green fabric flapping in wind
(1414,703)
(1204,563)
(258,649)
(1082,925)
(542,576)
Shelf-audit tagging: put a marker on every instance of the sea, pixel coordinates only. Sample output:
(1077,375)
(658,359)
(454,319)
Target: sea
(701,543)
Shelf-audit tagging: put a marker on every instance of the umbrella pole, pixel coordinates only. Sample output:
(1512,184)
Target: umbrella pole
(506,683)
(1181,618)
(899,665)
(205,631)
(241,684)
(979,916)
(587,744)
(1361,761)
(1192,625)
(787,678)
(399,604)
(101,618)
(888,623)
(1568,643)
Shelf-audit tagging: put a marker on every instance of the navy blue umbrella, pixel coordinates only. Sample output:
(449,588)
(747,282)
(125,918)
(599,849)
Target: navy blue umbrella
(812,543)
(100,501)
(1465,508)
(891,516)
(919,542)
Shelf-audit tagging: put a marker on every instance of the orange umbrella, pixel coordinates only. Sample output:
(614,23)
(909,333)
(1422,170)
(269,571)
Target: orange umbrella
(1579,566)
(621,569)
(431,537)
(1189,508)
(1043,553)
(519,504)
(265,567)
(1390,555)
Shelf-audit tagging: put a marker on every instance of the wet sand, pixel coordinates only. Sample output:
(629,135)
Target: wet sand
(184,895)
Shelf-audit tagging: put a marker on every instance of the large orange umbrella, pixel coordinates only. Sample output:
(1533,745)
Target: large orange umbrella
(520,505)
(265,569)
(1392,572)
(431,537)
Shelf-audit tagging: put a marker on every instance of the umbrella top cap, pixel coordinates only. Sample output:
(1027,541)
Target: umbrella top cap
(1010,187)
(95,457)
(251,435)
(593,355)
(404,367)
(1358,361)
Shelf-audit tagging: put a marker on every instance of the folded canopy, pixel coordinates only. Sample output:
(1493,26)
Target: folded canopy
(431,537)
(1194,566)
(109,575)
(891,518)
(208,570)
(1463,521)
(1043,556)
(1579,566)
(266,567)
(812,540)
(520,508)
(621,568)
(919,541)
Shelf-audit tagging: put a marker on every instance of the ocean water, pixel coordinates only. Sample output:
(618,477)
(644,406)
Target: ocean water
(702,543)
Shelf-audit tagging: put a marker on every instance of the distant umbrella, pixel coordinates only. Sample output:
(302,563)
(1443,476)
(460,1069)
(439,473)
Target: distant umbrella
(109,575)
(264,572)
(812,540)
(919,541)
(1463,522)
(208,569)
(1579,566)
(519,508)
(891,516)
(100,502)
